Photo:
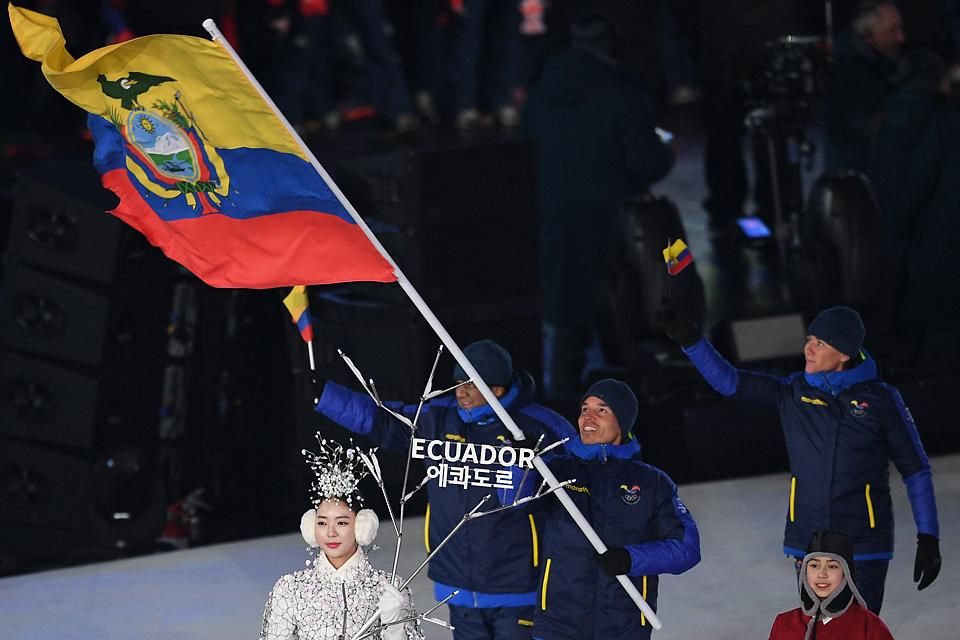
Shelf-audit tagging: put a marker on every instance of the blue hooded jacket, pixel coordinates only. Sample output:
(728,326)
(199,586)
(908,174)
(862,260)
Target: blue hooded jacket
(494,560)
(842,428)
(631,505)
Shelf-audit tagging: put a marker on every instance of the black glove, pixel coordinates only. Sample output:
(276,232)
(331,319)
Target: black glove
(926,567)
(615,561)
(675,322)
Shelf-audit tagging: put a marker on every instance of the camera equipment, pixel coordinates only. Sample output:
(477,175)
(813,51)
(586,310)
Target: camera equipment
(787,75)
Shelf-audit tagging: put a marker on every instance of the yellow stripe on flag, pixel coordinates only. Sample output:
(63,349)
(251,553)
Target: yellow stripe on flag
(672,252)
(205,79)
(296,301)
(37,34)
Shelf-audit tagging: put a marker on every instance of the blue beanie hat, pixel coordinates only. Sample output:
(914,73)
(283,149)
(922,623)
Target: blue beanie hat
(841,328)
(491,361)
(620,398)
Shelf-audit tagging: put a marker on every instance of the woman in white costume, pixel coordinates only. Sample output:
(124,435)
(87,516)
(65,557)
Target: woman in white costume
(339,591)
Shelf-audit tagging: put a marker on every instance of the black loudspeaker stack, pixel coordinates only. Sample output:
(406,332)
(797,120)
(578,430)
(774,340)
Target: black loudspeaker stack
(97,341)
(461,222)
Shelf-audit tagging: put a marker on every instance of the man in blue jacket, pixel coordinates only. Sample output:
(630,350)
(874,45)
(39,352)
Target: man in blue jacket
(595,131)
(842,427)
(493,561)
(634,509)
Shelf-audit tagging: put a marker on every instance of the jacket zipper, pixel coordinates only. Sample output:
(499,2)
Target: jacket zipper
(536,541)
(643,618)
(543,587)
(793,497)
(873,522)
(426,529)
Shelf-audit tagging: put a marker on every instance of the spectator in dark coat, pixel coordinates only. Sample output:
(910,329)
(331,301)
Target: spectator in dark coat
(932,222)
(862,78)
(594,126)
(905,118)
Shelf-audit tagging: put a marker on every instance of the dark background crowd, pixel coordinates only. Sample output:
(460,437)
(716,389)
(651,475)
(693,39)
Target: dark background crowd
(762,93)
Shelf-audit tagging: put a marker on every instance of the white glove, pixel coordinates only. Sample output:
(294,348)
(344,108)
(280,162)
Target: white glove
(391,604)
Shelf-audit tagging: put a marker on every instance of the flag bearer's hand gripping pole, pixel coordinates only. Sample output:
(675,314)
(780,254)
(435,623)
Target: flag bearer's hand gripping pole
(435,324)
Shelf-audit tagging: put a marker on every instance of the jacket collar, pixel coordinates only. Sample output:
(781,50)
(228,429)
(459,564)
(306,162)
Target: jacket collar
(602,452)
(485,415)
(836,382)
(356,563)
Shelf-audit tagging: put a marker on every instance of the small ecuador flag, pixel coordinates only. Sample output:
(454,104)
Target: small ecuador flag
(297,304)
(677,256)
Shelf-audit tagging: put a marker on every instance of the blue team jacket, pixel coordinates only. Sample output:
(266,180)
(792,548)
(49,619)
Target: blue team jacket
(842,429)
(494,560)
(631,505)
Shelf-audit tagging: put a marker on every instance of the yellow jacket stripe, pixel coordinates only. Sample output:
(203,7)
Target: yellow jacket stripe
(426,529)
(543,588)
(793,496)
(643,618)
(536,541)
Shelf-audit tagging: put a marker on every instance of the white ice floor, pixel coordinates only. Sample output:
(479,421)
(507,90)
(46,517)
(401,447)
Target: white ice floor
(734,594)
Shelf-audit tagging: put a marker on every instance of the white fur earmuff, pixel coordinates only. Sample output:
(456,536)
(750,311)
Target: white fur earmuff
(308,523)
(365,527)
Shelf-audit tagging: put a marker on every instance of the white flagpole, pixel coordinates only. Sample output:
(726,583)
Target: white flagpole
(435,324)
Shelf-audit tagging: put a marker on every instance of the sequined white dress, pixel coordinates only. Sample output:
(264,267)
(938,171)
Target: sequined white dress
(310,604)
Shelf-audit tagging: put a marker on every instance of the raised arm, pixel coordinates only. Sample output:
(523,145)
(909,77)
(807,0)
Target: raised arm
(358,413)
(727,380)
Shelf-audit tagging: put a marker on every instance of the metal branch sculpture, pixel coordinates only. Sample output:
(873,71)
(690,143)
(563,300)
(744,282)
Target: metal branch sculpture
(373,466)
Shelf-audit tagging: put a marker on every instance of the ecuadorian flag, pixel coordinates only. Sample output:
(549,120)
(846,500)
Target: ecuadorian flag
(201,164)
(298,305)
(677,256)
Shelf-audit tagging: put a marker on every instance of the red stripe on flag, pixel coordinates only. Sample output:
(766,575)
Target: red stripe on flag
(276,250)
(683,260)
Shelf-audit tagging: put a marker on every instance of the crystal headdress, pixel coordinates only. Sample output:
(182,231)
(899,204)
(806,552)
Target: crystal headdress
(337,473)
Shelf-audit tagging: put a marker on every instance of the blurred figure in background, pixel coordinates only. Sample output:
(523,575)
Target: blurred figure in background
(863,76)
(311,30)
(482,62)
(900,130)
(594,125)
(931,226)
(731,36)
